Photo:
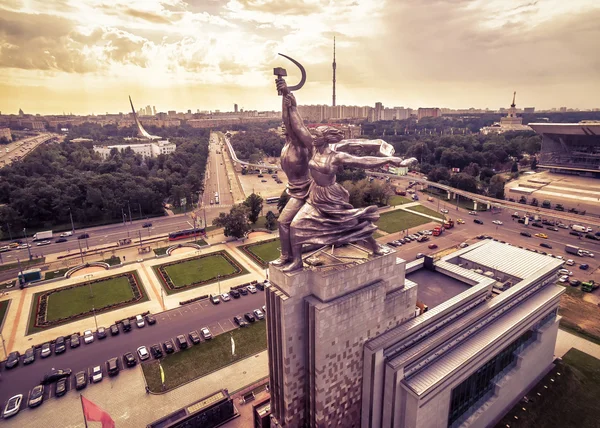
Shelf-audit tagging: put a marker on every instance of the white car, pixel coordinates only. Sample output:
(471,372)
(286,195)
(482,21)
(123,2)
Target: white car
(13,405)
(589,230)
(570,262)
(88,336)
(225,297)
(463,245)
(24,246)
(565,272)
(206,334)
(139,321)
(472,212)
(258,314)
(498,222)
(251,289)
(143,353)
(444,211)
(96,374)
(64,235)
(39,244)
(562,226)
(563,278)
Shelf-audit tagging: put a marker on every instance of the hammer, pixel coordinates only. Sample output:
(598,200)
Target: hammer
(280,73)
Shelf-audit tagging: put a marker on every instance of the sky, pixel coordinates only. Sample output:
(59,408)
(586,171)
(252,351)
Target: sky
(87,56)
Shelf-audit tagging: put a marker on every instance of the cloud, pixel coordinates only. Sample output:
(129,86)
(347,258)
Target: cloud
(279,7)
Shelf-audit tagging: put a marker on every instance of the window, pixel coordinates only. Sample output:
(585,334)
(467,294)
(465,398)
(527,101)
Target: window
(476,386)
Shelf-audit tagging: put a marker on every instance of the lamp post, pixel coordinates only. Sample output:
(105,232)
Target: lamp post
(219,282)
(27,243)
(80,251)
(9,234)
(72,225)
(3,346)
(95,320)
(129,208)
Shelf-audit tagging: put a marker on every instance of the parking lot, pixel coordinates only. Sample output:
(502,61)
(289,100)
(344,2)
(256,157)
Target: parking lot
(181,321)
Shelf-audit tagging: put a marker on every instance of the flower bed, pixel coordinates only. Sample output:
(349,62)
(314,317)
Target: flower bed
(249,250)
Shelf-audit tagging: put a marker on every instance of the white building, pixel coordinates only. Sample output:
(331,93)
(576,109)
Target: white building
(147,150)
(511,122)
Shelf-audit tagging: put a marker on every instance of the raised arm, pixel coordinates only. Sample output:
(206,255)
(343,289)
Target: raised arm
(366,145)
(297,124)
(364,162)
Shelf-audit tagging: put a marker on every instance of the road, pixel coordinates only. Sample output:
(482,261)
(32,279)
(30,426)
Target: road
(21,148)
(218,318)
(216,176)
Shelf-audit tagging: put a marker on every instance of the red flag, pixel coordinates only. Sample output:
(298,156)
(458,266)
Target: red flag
(93,413)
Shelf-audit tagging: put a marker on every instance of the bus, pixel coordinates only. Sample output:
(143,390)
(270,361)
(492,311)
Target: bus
(187,233)
(273,200)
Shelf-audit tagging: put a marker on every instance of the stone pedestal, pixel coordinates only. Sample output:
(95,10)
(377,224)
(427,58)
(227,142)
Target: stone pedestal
(317,321)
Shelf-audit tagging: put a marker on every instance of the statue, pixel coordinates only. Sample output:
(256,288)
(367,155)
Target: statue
(322,214)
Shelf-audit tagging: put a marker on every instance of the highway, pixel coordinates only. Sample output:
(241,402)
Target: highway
(21,148)
(216,177)
(218,318)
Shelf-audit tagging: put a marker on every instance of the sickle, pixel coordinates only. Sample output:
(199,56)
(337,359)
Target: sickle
(303,80)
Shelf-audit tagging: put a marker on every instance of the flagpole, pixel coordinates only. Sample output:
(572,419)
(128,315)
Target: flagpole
(83,410)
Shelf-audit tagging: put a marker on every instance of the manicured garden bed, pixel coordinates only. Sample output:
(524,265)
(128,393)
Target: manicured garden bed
(3,309)
(186,274)
(206,357)
(263,252)
(55,273)
(66,304)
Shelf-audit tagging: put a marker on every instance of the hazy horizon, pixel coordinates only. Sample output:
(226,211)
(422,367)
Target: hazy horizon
(87,56)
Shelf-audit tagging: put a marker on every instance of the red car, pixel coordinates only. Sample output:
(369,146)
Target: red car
(432,246)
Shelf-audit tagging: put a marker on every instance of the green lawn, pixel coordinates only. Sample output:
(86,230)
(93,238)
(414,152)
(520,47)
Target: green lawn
(55,273)
(424,210)
(200,360)
(3,309)
(160,251)
(5,285)
(398,200)
(264,252)
(395,221)
(77,300)
(25,264)
(113,260)
(565,397)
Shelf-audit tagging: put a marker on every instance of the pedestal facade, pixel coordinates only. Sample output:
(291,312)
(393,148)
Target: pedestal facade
(317,321)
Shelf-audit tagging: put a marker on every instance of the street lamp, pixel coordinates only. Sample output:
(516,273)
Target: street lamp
(94,312)
(27,243)
(72,225)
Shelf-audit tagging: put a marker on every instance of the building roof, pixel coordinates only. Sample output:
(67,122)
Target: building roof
(585,128)
(508,259)
(444,366)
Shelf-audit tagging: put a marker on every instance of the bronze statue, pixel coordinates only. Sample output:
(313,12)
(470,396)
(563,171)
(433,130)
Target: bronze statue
(325,217)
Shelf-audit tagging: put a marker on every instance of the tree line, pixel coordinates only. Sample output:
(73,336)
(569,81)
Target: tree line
(40,190)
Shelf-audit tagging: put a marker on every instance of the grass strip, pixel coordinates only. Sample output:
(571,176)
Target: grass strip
(3,309)
(395,221)
(207,357)
(263,252)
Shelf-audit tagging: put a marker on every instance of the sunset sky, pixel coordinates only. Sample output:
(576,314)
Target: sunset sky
(86,56)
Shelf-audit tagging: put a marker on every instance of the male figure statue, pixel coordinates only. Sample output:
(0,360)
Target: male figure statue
(294,162)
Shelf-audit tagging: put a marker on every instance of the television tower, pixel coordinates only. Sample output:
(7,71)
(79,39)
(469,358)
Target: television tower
(333,71)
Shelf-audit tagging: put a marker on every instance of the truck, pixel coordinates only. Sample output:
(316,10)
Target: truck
(40,236)
(579,228)
(437,231)
(572,249)
(589,286)
(449,224)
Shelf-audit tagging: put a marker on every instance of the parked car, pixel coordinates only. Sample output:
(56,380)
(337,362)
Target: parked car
(225,297)
(235,294)
(147,224)
(169,347)
(36,396)
(75,340)
(61,388)
(29,356)
(81,380)
(13,359)
(194,337)
(88,336)
(139,321)
(114,330)
(83,236)
(249,317)
(251,289)
(55,375)
(206,334)
(243,291)
(59,345)
(129,359)
(565,272)
(101,333)
(143,353)
(13,405)
(112,366)
(258,314)
(126,325)
(96,374)
(563,278)
(584,266)
(215,299)
(156,351)
(239,321)
(46,350)
(574,282)
(478,221)
(150,319)
(570,262)
(181,341)
(419,256)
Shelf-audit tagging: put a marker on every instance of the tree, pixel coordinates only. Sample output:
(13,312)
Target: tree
(533,163)
(271,221)
(515,168)
(255,204)
(235,223)
(496,188)
(283,200)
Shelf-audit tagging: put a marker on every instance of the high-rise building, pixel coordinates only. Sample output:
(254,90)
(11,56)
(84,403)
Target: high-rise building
(428,112)
(563,109)
(334,67)
(378,113)
(235,108)
(529,110)
(154,110)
